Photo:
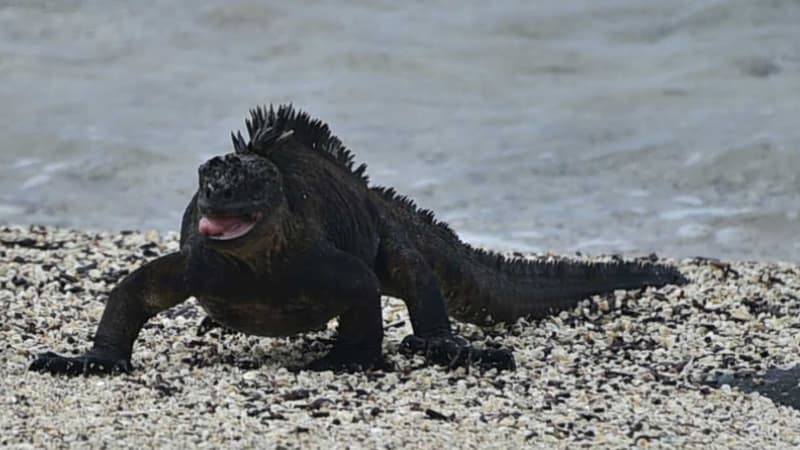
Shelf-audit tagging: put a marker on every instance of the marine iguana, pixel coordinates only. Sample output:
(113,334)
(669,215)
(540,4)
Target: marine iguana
(285,233)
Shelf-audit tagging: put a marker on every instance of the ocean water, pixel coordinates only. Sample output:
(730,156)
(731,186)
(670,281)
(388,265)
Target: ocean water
(601,127)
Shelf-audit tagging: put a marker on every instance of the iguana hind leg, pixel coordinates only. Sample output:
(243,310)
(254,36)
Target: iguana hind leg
(406,273)
(152,288)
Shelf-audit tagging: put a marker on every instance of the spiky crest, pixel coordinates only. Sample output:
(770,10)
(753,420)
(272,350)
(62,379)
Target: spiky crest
(550,268)
(267,127)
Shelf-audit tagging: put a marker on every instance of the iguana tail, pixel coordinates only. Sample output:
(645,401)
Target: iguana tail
(484,287)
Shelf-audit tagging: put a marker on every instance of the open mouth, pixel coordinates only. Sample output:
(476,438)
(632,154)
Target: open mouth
(226,228)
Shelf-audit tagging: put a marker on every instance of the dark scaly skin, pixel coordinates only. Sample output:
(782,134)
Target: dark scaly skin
(323,245)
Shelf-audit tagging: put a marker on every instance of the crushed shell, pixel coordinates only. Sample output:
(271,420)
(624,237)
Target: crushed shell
(625,369)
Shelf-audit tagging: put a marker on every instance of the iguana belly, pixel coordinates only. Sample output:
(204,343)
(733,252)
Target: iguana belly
(267,317)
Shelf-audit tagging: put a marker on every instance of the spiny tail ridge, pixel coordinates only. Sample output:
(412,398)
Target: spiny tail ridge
(516,287)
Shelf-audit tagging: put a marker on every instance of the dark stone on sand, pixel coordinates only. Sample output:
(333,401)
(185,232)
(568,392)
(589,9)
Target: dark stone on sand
(782,386)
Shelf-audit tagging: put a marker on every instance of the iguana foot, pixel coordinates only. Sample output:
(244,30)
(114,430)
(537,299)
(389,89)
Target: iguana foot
(89,363)
(350,359)
(454,351)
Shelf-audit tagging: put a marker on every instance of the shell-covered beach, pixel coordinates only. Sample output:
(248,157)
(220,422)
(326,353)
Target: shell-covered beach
(633,368)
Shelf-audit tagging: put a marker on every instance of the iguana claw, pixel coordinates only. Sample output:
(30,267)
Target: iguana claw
(454,351)
(349,359)
(87,364)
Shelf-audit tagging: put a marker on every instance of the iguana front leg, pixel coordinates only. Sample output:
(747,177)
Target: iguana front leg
(154,287)
(351,285)
(358,344)
(411,278)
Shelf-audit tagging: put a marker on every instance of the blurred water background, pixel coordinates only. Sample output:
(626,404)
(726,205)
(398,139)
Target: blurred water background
(600,127)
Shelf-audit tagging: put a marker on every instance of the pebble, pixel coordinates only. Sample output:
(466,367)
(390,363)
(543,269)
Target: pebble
(631,368)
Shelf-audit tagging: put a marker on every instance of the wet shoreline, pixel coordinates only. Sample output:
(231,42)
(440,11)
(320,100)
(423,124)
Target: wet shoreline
(599,127)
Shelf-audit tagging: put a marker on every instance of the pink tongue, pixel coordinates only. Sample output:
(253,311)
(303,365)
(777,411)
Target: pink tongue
(219,226)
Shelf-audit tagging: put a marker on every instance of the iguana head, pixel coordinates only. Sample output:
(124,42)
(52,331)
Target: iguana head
(237,192)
